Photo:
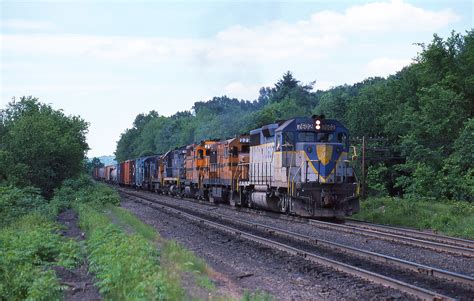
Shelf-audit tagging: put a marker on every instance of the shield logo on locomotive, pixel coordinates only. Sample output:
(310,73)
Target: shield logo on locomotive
(324,152)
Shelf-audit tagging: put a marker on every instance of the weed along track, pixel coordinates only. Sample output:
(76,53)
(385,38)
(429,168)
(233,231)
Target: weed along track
(413,279)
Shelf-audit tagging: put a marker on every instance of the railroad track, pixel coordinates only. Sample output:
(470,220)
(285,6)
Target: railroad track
(222,223)
(460,242)
(398,235)
(436,242)
(410,237)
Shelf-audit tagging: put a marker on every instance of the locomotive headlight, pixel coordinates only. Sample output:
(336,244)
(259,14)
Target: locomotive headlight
(318,122)
(318,127)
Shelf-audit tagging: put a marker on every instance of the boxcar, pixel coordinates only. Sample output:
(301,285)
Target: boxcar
(127,173)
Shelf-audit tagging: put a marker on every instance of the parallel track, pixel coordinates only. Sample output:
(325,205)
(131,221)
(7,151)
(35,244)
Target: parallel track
(371,276)
(460,242)
(439,243)
(402,237)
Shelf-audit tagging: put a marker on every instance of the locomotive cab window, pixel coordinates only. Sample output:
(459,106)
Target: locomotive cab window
(278,141)
(325,137)
(306,137)
(287,142)
(255,139)
(234,152)
(200,154)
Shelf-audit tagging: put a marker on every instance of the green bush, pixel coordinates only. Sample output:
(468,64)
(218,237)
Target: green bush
(28,249)
(84,190)
(17,202)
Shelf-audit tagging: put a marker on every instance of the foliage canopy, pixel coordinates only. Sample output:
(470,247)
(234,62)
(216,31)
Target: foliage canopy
(40,146)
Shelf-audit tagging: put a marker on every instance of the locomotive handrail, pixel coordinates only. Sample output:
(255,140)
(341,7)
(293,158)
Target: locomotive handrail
(293,180)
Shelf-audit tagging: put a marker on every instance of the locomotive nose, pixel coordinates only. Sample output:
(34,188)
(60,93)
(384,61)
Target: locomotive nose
(322,157)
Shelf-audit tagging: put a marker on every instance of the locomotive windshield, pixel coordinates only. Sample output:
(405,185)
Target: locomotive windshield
(322,137)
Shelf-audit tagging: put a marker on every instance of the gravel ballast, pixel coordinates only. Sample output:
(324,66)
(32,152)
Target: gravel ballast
(251,267)
(450,262)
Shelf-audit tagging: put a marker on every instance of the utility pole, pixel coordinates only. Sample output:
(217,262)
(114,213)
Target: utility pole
(363,168)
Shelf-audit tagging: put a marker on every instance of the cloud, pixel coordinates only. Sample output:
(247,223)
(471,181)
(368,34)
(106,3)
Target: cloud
(383,16)
(242,91)
(21,24)
(60,88)
(385,66)
(312,39)
(323,85)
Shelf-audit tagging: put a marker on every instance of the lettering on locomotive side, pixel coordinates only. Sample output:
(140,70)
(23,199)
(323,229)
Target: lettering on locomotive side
(311,127)
(305,126)
(328,127)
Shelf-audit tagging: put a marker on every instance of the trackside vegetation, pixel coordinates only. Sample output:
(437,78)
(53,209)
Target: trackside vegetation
(128,258)
(30,247)
(177,260)
(454,218)
(126,266)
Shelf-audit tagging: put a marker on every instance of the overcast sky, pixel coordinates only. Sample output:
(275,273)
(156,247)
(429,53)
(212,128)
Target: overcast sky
(107,61)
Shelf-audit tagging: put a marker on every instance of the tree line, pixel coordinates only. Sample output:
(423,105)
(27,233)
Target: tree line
(422,117)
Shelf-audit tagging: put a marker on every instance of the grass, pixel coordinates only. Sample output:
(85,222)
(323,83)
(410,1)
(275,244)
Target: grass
(175,259)
(256,296)
(127,266)
(29,248)
(455,218)
(126,217)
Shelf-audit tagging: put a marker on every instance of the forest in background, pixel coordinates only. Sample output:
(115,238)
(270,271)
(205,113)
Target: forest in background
(418,122)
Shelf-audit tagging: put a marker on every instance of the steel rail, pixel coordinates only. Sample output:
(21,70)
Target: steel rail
(457,246)
(460,242)
(396,238)
(342,267)
(404,264)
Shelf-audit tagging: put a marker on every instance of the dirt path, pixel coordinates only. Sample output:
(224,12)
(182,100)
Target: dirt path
(80,282)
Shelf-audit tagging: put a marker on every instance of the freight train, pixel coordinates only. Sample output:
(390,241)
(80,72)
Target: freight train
(298,166)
